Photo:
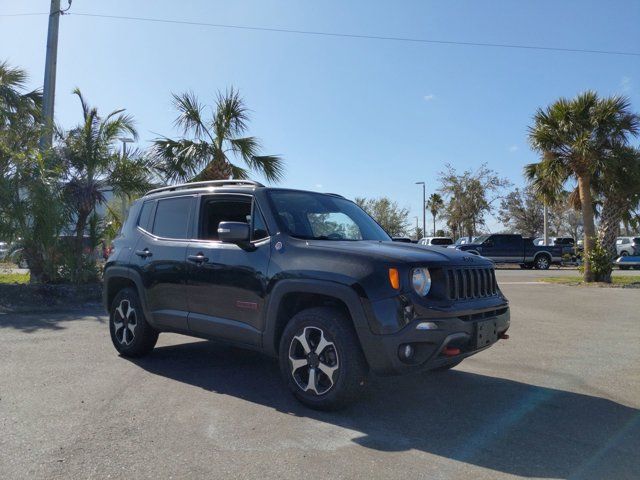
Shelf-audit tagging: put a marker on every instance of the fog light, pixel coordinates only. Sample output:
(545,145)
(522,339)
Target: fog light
(406,351)
(427,326)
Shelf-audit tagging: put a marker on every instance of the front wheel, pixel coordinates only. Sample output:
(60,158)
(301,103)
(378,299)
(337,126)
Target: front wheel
(130,333)
(321,360)
(542,262)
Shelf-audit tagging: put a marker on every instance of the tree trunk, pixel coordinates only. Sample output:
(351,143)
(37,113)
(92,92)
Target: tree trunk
(78,246)
(215,170)
(584,186)
(434,225)
(612,211)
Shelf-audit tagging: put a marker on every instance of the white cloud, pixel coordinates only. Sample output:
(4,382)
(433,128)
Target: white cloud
(625,83)
(318,185)
(513,148)
(428,98)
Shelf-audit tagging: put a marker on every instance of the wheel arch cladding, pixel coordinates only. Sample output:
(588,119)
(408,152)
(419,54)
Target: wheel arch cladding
(291,297)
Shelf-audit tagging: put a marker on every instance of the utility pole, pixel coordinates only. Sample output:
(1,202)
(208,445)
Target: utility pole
(49,90)
(424,209)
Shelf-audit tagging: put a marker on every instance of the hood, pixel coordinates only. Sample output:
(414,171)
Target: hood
(401,252)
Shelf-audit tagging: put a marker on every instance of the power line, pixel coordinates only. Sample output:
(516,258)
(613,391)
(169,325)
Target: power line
(352,35)
(22,14)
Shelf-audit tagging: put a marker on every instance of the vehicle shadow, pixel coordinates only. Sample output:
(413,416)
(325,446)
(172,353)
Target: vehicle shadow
(490,422)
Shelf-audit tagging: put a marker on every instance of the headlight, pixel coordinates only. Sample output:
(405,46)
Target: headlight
(421,281)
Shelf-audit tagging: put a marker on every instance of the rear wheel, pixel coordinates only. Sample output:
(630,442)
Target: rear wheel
(321,360)
(624,253)
(542,262)
(130,333)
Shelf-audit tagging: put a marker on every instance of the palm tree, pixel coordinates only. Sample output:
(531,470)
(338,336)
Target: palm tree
(574,138)
(30,216)
(209,144)
(16,105)
(435,203)
(619,186)
(94,166)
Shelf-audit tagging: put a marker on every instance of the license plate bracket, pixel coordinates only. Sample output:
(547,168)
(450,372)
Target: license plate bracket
(486,333)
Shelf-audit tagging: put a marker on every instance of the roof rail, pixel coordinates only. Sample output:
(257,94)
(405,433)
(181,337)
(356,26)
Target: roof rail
(207,183)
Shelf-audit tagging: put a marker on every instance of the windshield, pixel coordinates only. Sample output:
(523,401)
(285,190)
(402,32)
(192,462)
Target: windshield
(318,216)
(481,238)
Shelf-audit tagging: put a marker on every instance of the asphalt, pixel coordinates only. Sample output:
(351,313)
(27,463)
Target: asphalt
(559,399)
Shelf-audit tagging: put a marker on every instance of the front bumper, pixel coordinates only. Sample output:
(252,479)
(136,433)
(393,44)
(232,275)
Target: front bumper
(433,348)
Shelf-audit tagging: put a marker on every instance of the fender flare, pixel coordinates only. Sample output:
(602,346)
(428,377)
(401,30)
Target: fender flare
(344,293)
(537,254)
(119,271)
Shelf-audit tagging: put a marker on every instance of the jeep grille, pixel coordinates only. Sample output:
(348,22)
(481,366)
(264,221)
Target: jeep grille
(468,283)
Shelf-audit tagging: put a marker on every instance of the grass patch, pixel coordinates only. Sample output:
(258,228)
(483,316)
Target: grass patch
(616,281)
(14,277)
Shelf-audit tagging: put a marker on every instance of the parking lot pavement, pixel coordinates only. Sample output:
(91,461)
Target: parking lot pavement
(559,399)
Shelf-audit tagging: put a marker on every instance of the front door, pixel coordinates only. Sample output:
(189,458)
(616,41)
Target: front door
(226,283)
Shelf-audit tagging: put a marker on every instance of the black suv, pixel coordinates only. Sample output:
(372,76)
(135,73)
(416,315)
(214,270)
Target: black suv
(307,277)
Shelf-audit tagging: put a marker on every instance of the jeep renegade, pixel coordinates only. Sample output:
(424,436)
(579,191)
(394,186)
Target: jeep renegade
(306,277)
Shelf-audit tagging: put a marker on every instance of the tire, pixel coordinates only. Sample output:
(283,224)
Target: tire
(131,339)
(542,262)
(624,253)
(339,369)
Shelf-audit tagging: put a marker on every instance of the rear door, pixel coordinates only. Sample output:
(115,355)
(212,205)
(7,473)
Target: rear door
(227,282)
(160,258)
(512,249)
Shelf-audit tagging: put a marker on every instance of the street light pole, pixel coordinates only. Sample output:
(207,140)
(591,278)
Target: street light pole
(424,203)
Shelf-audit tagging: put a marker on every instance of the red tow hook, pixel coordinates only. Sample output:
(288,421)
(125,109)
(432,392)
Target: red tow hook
(504,336)
(450,351)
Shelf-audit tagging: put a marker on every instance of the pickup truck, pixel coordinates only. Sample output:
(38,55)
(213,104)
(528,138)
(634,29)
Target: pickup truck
(507,248)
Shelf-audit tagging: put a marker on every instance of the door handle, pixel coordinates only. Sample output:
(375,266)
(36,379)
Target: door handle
(144,253)
(199,258)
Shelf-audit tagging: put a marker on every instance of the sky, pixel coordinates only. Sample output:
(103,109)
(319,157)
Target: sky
(358,117)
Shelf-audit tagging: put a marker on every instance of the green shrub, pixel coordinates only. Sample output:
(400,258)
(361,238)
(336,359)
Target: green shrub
(601,263)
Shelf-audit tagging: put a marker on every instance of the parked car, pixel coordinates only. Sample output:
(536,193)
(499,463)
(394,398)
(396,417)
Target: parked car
(306,277)
(508,248)
(628,246)
(4,250)
(625,262)
(568,245)
(436,241)
(463,241)
(403,239)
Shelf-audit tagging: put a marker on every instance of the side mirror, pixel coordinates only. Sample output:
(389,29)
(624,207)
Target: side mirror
(233,232)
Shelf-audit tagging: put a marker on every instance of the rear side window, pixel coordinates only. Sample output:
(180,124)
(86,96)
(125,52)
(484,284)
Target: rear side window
(172,217)
(144,219)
